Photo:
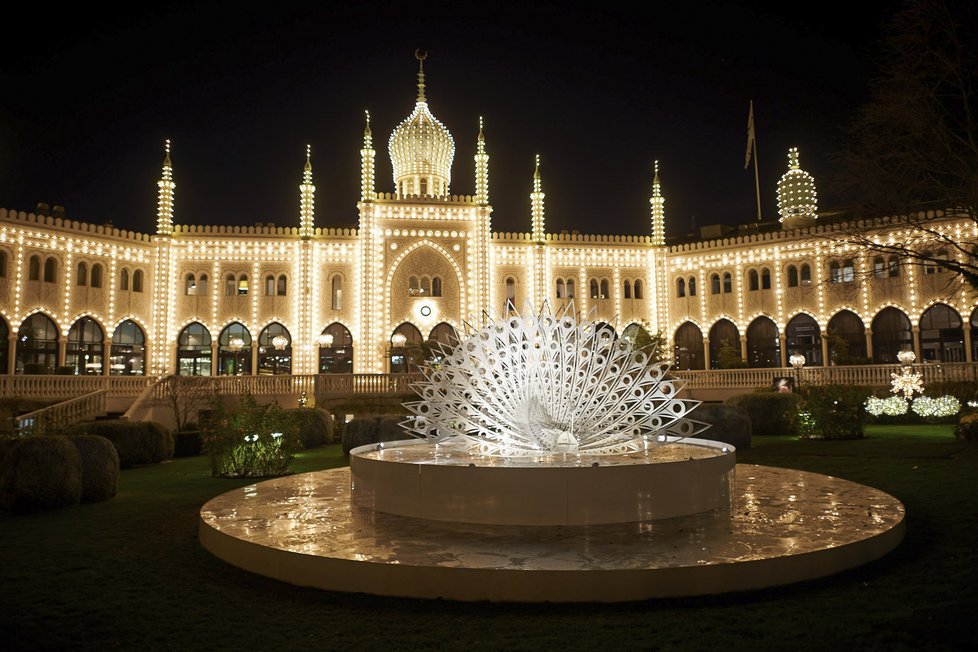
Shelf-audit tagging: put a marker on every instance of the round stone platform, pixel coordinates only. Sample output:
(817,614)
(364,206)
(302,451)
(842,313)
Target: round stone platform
(783,526)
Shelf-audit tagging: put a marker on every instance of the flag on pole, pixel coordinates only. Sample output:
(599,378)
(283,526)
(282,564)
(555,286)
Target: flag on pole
(750,134)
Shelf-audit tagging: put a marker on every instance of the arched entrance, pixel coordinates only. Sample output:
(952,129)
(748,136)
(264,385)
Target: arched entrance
(234,351)
(803,336)
(86,347)
(724,345)
(336,350)
(763,343)
(406,351)
(688,351)
(194,351)
(847,338)
(941,335)
(128,354)
(891,334)
(274,350)
(37,345)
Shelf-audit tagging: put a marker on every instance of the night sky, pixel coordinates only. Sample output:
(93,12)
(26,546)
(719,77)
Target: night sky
(599,91)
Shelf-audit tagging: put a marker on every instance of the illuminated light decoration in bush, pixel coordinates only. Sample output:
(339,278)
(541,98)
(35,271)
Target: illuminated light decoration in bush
(796,191)
(942,406)
(891,406)
(421,149)
(537,384)
(907,383)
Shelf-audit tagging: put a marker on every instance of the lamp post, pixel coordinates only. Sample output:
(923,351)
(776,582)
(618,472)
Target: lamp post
(797,360)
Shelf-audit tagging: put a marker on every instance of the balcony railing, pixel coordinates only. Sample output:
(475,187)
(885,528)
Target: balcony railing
(60,415)
(876,375)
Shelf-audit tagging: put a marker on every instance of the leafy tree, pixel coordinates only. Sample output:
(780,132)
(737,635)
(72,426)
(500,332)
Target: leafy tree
(728,356)
(913,147)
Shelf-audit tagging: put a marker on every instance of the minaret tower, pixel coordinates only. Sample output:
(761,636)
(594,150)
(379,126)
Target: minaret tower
(307,199)
(658,203)
(536,206)
(481,169)
(367,191)
(164,213)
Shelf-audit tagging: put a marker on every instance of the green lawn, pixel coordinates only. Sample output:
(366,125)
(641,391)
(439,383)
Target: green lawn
(130,574)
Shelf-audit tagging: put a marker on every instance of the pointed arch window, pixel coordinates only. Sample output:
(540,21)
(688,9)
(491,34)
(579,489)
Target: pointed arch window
(570,288)
(282,285)
(3,264)
(337,292)
(34,269)
(893,266)
(627,290)
(691,286)
(765,279)
(436,286)
(510,306)
(96,279)
(560,289)
(124,279)
(638,288)
(753,283)
(243,284)
(50,270)
(81,274)
(727,283)
(879,267)
(680,287)
(792,276)
(806,274)
(426,286)
(604,289)
(594,288)
(190,284)
(269,286)
(230,285)
(414,286)
(715,284)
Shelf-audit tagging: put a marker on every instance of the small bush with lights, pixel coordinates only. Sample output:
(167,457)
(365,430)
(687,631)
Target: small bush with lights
(251,440)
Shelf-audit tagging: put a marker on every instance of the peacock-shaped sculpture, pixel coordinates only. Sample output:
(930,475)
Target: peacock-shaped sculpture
(535,383)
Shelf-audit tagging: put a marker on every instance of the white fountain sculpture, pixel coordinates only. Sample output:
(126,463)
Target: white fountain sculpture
(537,384)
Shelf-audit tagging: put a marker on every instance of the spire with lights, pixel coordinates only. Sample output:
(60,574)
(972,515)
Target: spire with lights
(536,205)
(658,203)
(797,199)
(164,212)
(367,190)
(481,169)
(307,199)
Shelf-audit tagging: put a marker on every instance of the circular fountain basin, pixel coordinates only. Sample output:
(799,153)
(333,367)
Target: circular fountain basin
(440,482)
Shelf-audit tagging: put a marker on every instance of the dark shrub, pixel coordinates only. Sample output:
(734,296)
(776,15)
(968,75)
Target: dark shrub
(64,370)
(35,369)
(771,413)
(188,443)
(99,465)
(40,473)
(834,411)
(389,428)
(138,442)
(728,424)
(967,428)
(315,426)
(359,432)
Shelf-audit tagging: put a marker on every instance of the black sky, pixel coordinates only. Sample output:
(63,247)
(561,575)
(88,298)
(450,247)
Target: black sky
(598,90)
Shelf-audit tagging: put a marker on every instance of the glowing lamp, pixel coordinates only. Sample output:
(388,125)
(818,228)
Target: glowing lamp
(797,360)
(325,341)
(280,342)
(398,340)
(907,357)
(235,344)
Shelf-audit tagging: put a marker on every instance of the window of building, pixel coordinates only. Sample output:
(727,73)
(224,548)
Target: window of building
(436,286)
(848,271)
(337,292)
(34,269)
(893,266)
(124,279)
(593,285)
(691,286)
(190,284)
(96,280)
(425,286)
(50,270)
(792,276)
(81,274)
(269,286)
(604,289)
(714,284)
(765,279)
(727,283)
(414,286)
(806,274)
(638,288)
(570,288)
(3,264)
(835,272)
(243,284)
(753,282)
(282,285)
(680,287)
(627,290)
(510,305)
(230,285)
(879,267)
(560,289)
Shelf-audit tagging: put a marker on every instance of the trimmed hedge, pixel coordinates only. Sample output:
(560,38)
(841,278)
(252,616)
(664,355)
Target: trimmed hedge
(39,473)
(771,413)
(835,411)
(315,426)
(138,442)
(188,443)
(728,424)
(99,466)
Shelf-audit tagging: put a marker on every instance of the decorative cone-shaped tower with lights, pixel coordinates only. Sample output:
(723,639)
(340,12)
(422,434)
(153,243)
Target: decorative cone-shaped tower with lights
(797,199)
(367,190)
(164,212)
(307,199)
(658,203)
(481,169)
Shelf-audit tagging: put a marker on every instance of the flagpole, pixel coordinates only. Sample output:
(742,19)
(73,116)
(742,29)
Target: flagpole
(757,181)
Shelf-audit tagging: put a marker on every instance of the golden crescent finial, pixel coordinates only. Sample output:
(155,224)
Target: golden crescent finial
(421,55)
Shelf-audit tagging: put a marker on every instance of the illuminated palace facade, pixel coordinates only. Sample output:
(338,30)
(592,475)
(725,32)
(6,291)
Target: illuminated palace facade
(215,300)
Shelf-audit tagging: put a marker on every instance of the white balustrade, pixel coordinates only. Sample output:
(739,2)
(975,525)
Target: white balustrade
(61,415)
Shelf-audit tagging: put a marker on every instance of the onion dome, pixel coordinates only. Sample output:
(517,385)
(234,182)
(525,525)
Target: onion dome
(421,150)
(797,199)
